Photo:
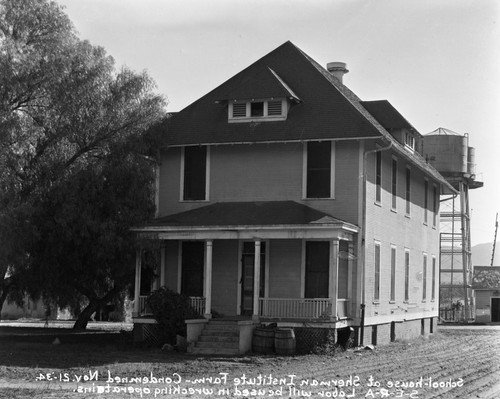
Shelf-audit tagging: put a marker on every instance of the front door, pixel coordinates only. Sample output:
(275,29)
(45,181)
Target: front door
(495,309)
(247,275)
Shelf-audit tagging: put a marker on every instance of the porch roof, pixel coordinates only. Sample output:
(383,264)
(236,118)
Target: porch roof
(268,219)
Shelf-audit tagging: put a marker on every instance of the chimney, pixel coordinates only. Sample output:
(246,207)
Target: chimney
(337,69)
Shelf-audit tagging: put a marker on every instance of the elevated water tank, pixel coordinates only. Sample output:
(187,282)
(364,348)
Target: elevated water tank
(447,151)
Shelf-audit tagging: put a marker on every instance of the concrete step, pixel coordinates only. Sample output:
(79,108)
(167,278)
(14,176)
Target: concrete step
(221,327)
(214,351)
(211,344)
(220,333)
(218,338)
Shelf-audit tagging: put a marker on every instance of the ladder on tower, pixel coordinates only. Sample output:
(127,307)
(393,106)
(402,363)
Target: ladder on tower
(494,241)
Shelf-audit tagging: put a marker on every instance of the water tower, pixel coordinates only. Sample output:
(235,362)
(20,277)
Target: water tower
(451,155)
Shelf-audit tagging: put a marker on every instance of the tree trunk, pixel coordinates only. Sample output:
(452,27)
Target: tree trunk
(84,317)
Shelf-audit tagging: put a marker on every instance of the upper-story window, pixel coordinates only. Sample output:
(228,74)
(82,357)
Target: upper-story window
(409,141)
(319,158)
(257,110)
(194,173)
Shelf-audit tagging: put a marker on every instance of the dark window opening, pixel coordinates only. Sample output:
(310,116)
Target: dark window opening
(257,109)
(376,294)
(319,162)
(378,177)
(343,274)
(317,269)
(407,276)
(195,167)
(394,183)
(193,253)
(408,190)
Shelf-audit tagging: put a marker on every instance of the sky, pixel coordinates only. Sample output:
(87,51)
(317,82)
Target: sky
(437,62)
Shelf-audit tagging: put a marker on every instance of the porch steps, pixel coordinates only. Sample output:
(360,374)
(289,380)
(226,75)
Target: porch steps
(219,337)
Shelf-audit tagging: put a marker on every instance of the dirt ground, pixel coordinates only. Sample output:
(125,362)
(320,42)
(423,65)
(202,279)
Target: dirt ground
(457,362)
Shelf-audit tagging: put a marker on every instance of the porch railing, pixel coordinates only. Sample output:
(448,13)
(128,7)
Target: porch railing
(198,303)
(144,309)
(303,308)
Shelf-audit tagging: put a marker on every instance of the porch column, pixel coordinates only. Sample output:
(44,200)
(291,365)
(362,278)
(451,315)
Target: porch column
(334,271)
(162,264)
(256,280)
(137,286)
(208,279)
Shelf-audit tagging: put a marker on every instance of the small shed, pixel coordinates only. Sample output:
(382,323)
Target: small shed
(486,285)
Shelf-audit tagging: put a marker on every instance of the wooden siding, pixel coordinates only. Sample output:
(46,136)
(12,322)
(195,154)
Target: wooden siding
(263,172)
(405,232)
(285,268)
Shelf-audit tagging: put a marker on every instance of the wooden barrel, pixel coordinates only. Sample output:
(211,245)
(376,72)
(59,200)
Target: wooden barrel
(263,340)
(284,341)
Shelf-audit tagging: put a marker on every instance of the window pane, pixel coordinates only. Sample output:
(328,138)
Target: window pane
(376,294)
(192,268)
(378,177)
(257,109)
(195,163)
(319,158)
(317,269)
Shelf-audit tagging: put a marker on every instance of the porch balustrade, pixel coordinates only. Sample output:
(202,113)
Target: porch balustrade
(198,303)
(302,308)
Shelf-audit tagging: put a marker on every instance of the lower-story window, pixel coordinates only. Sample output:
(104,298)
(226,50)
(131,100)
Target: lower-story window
(192,268)
(317,269)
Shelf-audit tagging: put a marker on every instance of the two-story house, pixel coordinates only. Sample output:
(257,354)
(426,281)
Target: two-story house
(282,197)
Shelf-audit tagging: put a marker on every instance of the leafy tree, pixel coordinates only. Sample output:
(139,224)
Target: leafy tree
(63,105)
(84,251)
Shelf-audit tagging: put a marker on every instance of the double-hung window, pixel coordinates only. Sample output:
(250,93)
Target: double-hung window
(194,167)
(319,170)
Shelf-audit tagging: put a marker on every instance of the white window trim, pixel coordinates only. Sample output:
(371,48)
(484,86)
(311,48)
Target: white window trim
(376,244)
(409,141)
(393,276)
(434,277)
(407,300)
(263,118)
(207,177)
(408,187)
(394,207)
(332,173)
(425,267)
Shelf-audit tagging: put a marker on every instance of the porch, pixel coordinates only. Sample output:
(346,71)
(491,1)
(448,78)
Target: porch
(269,262)
(271,309)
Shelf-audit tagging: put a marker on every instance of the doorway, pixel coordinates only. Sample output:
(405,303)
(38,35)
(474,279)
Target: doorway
(495,310)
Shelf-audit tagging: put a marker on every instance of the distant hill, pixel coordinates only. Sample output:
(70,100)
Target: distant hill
(481,254)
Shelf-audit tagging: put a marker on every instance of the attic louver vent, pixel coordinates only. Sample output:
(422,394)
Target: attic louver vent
(239,110)
(274,108)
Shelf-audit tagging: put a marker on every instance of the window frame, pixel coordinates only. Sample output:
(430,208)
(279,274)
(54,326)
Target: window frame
(378,177)
(426,201)
(377,255)
(433,283)
(424,278)
(394,184)
(408,191)
(407,276)
(182,191)
(305,171)
(265,117)
(392,294)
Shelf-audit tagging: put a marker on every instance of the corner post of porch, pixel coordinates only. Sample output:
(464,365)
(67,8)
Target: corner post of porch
(162,265)
(256,281)
(208,278)
(137,286)
(334,271)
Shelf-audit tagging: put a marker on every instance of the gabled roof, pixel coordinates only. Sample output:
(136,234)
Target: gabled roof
(263,213)
(323,112)
(264,84)
(387,115)
(327,109)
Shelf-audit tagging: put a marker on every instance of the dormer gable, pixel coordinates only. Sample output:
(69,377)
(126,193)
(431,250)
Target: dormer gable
(263,96)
